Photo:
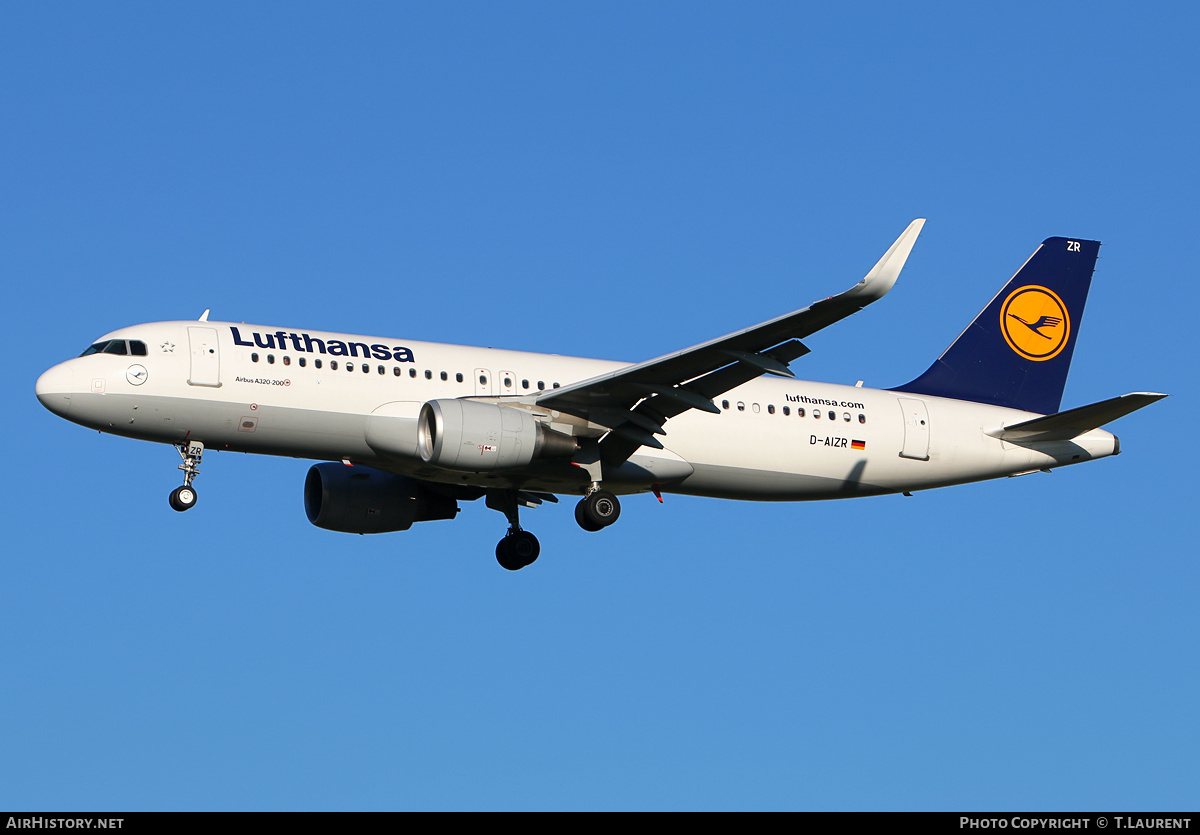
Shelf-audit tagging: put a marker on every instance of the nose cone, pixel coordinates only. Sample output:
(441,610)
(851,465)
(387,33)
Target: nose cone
(54,389)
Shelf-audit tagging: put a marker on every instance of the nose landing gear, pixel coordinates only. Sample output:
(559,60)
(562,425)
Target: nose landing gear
(184,498)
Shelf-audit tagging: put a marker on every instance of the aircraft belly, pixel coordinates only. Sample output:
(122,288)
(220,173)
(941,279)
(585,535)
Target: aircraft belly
(275,430)
(648,467)
(729,482)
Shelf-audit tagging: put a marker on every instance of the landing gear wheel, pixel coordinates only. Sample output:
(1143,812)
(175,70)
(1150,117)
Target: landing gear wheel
(517,550)
(582,519)
(597,510)
(183,498)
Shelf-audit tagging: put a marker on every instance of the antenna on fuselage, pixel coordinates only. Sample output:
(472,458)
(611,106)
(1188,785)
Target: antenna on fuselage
(204,315)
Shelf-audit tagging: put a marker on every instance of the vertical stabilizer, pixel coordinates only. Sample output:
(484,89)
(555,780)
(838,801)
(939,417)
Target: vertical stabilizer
(1018,350)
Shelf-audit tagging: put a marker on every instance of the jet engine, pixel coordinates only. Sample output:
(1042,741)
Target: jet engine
(475,436)
(364,500)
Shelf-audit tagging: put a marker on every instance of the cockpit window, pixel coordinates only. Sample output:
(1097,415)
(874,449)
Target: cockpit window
(118,346)
(108,346)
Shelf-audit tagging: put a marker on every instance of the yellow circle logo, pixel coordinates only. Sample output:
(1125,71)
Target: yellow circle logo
(1035,323)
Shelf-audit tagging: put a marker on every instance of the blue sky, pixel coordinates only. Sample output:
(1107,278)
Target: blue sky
(612,180)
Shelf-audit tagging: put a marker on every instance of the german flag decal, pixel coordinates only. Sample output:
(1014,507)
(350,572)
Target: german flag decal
(858,444)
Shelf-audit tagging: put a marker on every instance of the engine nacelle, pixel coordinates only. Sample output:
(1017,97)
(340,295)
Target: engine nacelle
(475,436)
(364,500)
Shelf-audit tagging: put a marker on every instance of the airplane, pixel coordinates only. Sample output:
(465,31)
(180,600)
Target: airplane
(405,430)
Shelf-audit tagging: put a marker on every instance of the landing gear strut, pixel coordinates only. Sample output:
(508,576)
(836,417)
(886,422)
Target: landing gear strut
(519,548)
(597,510)
(184,498)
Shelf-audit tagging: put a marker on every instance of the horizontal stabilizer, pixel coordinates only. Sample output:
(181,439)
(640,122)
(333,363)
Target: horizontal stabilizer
(1074,422)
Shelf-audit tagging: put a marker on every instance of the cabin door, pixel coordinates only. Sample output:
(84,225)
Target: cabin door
(916,429)
(206,358)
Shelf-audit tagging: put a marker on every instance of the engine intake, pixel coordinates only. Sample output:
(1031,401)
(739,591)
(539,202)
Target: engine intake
(365,500)
(474,436)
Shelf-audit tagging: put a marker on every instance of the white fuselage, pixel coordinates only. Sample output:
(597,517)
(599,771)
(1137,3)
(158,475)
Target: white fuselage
(249,388)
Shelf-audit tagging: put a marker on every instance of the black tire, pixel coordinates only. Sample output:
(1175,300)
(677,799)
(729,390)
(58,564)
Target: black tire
(525,547)
(582,518)
(601,508)
(517,550)
(183,498)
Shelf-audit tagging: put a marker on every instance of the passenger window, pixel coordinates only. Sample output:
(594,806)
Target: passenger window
(770,410)
(755,407)
(350,366)
(458,377)
(817,414)
(524,384)
(254,358)
(741,406)
(445,376)
(508,382)
(862,418)
(270,359)
(287,360)
(724,404)
(382,370)
(366,368)
(800,413)
(556,385)
(396,371)
(333,365)
(483,379)
(787,410)
(317,363)
(832,416)
(412,372)
(428,374)
(303,362)
(846,417)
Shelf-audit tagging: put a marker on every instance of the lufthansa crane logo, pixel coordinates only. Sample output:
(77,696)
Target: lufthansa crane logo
(1035,323)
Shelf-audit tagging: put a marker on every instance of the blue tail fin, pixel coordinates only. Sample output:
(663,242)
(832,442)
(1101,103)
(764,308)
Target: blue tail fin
(1018,350)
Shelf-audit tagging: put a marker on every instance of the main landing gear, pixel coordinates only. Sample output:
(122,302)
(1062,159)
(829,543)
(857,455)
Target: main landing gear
(597,510)
(519,548)
(184,498)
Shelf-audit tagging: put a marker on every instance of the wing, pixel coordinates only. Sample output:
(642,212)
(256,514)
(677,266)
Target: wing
(635,402)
